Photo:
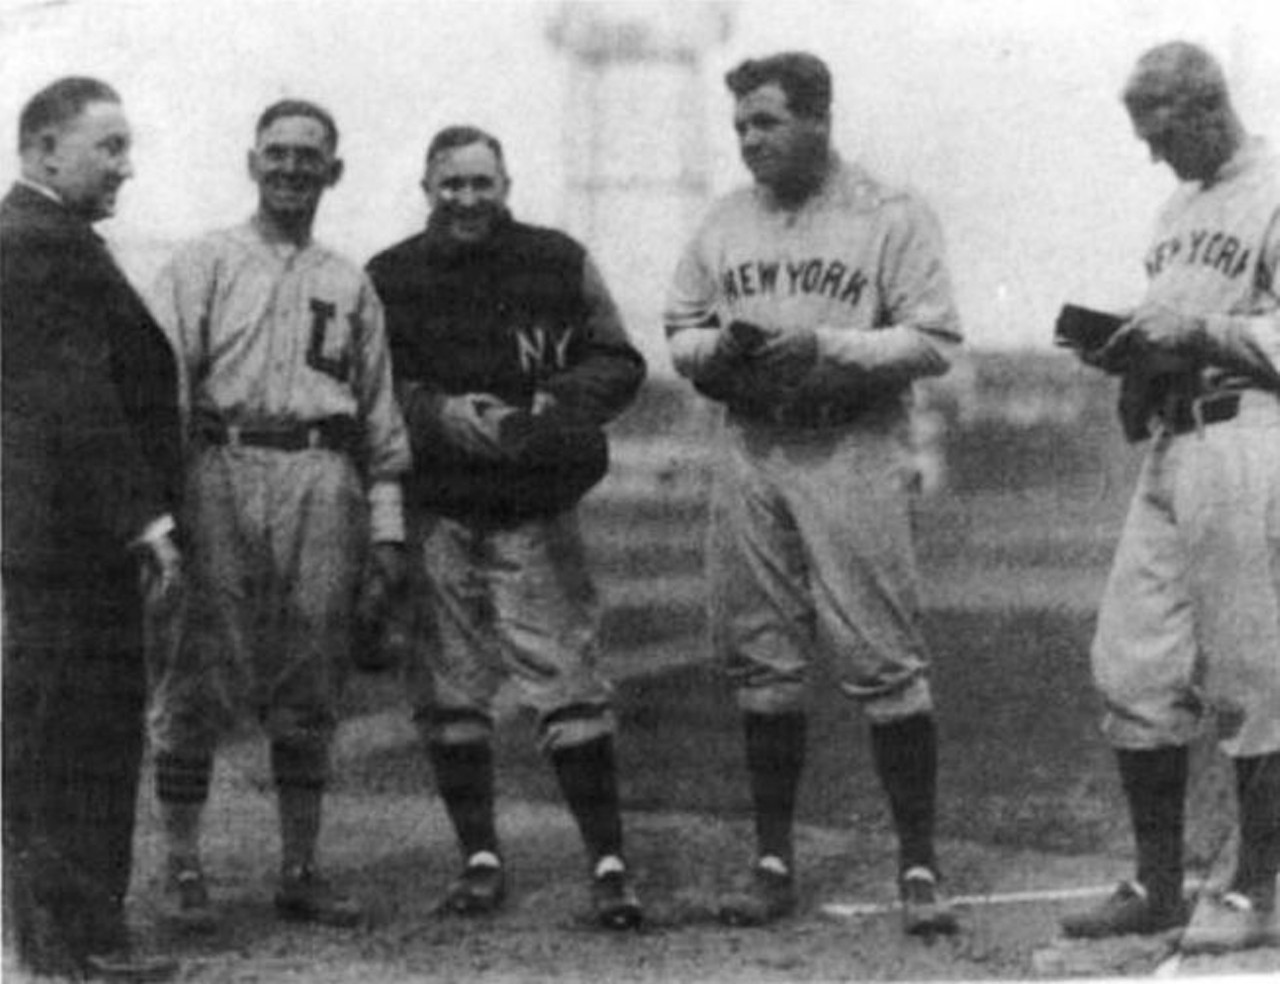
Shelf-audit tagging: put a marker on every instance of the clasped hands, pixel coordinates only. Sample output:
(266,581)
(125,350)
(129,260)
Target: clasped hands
(780,357)
(483,425)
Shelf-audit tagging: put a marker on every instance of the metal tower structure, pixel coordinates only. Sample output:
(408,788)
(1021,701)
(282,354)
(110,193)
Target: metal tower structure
(635,145)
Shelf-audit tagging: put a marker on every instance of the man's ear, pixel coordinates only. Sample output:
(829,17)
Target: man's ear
(47,149)
(251,164)
(335,172)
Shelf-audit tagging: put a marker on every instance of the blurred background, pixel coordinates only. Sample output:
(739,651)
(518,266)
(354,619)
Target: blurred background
(1004,114)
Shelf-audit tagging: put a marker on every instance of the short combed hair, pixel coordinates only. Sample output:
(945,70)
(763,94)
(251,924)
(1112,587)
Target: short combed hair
(1179,75)
(463,136)
(804,78)
(59,103)
(299,107)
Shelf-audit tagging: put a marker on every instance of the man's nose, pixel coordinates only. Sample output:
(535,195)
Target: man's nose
(466,196)
(125,169)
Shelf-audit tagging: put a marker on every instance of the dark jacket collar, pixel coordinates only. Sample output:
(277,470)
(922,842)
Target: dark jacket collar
(27,206)
(442,248)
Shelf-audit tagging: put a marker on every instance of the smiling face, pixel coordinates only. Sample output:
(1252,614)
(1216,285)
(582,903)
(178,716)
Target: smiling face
(293,162)
(781,149)
(86,159)
(467,187)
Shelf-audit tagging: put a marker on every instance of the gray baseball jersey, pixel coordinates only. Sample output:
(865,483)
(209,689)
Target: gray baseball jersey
(1191,614)
(271,335)
(810,507)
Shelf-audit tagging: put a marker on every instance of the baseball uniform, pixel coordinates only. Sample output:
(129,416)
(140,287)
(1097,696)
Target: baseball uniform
(297,446)
(810,533)
(1190,620)
(498,539)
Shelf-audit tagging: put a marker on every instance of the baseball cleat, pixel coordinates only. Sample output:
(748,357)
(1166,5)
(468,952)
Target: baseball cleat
(1128,910)
(924,911)
(1231,921)
(186,906)
(613,899)
(770,895)
(306,896)
(479,890)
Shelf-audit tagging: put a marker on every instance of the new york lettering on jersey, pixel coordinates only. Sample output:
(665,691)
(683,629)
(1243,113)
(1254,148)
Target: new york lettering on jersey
(1215,248)
(840,281)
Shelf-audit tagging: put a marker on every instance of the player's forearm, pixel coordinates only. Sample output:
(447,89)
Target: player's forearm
(602,385)
(1246,343)
(386,512)
(899,353)
(693,351)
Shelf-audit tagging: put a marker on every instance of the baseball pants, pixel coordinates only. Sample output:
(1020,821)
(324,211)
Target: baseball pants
(512,603)
(278,546)
(1190,619)
(810,547)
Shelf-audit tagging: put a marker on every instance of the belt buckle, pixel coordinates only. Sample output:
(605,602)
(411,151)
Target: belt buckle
(315,439)
(232,432)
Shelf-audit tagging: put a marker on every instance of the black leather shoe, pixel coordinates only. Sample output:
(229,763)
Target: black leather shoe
(479,890)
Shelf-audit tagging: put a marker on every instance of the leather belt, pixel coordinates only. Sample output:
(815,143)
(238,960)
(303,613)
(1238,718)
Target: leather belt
(1181,416)
(329,434)
(815,416)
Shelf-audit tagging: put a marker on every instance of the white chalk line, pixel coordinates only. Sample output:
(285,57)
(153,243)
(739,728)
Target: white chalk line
(848,909)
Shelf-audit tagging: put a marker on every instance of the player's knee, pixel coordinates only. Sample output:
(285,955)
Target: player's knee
(447,726)
(300,764)
(577,724)
(182,779)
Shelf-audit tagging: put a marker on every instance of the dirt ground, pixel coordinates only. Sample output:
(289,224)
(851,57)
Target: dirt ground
(387,840)
(395,852)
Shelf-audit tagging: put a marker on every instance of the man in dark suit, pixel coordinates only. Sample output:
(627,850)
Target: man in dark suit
(91,452)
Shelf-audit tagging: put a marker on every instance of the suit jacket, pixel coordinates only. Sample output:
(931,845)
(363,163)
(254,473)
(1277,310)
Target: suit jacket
(91,439)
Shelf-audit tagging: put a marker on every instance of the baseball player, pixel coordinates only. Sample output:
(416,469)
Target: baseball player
(296,449)
(509,356)
(806,305)
(1189,626)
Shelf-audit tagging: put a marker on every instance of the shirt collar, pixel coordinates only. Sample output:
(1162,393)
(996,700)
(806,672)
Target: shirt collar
(42,189)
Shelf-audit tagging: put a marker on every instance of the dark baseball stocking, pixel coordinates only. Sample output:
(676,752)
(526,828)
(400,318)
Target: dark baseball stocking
(1258,862)
(588,780)
(300,775)
(182,787)
(1155,785)
(464,779)
(906,758)
(775,760)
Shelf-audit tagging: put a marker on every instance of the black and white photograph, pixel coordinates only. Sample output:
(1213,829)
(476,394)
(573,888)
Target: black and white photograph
(640,490)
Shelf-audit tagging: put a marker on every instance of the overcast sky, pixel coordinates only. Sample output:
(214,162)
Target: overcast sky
(1003,113)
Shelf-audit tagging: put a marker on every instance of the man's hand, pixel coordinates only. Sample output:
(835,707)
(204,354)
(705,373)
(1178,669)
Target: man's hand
(787,357)
(385,578)
(390,565)
(1157,340)
(161,569)
(471,421)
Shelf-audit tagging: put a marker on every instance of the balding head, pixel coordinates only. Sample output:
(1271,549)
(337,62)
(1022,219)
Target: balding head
(1178,100)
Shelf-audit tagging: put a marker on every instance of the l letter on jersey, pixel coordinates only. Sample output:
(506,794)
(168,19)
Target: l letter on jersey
(322,314)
